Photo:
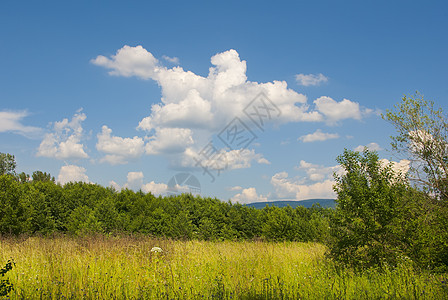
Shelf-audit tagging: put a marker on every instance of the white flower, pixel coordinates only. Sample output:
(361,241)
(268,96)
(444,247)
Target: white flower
(156,249)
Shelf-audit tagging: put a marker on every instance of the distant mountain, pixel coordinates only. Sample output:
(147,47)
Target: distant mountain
(306,203)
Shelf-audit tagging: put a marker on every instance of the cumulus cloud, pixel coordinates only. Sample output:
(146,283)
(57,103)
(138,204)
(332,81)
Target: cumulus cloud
(310,79)
(129,61)
(318,136)
(336,111)
(370,146)
(65,140)
(400,167)
(169,141)
(11,121)
(72,173)
(135,182)
(118,150)
(248,195)
(193,108)
(286,187)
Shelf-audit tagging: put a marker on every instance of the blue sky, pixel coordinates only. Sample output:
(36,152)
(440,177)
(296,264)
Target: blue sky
(130,94)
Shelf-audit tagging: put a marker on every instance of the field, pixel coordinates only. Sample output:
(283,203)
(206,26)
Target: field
(106,267)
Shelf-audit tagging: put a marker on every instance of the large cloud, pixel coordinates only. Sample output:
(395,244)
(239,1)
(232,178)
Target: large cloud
(193,108)
(65,140)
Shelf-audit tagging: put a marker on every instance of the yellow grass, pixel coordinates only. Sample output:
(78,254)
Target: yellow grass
(104,267)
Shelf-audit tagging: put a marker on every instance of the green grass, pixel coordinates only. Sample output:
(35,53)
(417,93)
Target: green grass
(104,267)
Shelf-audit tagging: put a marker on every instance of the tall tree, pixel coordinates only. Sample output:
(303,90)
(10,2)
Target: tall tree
(7,164)
(423,138)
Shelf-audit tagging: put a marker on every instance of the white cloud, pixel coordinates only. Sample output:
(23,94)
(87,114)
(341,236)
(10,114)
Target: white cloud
(193,108)
(318,135)
(286,187)
(223,160)
(173,60)
(155,188)
(310,79)
(129,61)
(336,111)
(248,195)
(169,141)
(72,173)
(118,150)
(401,167)
(135,182)
(65,140)
(12,121)
(235,188)
(370,146)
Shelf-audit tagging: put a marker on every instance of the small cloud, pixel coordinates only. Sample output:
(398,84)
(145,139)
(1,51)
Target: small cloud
(11,121)
(318,136)
(235,188)
(72,173)
(248,195)
(310,79)
(173,60)
(65,140)
(371,147)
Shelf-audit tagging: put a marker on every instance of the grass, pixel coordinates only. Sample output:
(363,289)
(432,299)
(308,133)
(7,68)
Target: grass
(102,267)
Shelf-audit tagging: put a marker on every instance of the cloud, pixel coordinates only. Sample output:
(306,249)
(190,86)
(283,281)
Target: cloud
(72,173)
(235,188)
(173,60)
(401,167)
(169,141)
(286,187)
(318,135)
(119,150)
(223,160)
(194,108)
(248,195)
(336,111)
(65,140)
(370,146)
(310,79)
(129,61)
(11,121)
(135,182)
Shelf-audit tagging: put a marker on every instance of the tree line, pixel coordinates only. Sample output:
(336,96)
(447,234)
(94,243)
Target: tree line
(39,205)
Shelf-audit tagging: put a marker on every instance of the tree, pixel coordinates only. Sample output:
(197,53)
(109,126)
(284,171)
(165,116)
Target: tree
(7,164)
(42,176)
(423,138)
(369,211)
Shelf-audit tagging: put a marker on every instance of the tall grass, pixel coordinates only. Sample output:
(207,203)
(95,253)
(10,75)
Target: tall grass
(101,267)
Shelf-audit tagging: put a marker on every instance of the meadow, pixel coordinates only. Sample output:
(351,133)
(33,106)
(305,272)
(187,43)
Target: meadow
(124,267)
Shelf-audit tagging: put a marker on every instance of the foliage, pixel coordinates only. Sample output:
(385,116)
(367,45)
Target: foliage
(422,137)
(5,285)
(7,164)
(368,212)
(42,206)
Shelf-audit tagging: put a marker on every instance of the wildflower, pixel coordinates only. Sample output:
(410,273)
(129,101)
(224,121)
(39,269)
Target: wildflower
(156,249)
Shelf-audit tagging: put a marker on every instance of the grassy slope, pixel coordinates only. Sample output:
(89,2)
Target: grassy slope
(123,268)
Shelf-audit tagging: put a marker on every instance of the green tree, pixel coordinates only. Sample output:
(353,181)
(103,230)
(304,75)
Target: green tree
(42,176)
(369,211)
(423,138)
(7,164)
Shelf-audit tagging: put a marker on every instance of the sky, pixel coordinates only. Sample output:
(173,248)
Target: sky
(253,99)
